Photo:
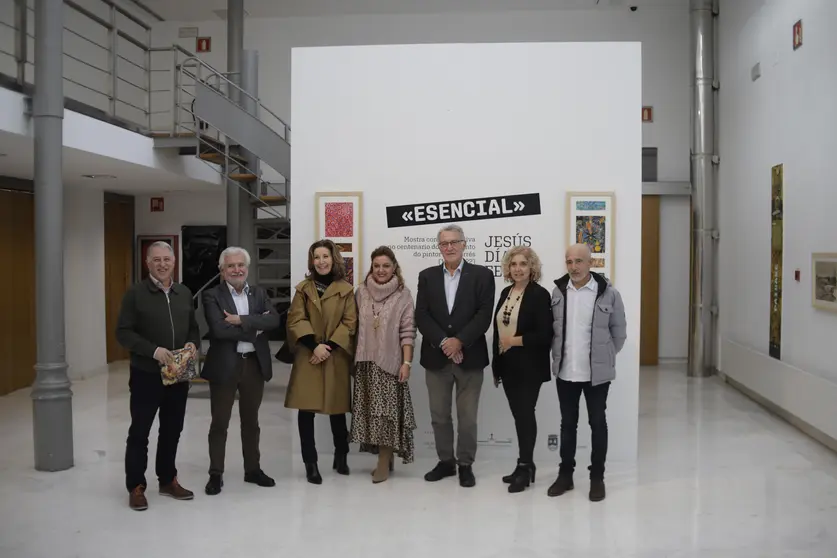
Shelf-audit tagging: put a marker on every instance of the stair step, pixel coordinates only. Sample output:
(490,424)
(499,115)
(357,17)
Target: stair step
(243,176)
(274,282)
(274,261)
(215,157)
(274,222)
(273,242)
(271,200)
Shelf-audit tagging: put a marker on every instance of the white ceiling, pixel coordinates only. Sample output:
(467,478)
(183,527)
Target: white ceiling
(201,10)
(19,161)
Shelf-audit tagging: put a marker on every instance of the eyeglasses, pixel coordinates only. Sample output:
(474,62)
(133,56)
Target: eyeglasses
(449,243)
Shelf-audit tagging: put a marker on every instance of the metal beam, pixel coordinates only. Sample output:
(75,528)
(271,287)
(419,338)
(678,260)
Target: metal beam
(702,284)
(235,47)
(678,188)
(247,211)
(51,393)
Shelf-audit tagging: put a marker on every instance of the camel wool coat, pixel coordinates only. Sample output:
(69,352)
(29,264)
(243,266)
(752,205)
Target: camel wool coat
(326,387)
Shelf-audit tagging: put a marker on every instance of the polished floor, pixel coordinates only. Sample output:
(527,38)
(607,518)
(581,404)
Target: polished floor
(717,476)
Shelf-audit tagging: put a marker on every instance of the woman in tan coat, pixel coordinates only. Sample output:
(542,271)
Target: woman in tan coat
(322,322)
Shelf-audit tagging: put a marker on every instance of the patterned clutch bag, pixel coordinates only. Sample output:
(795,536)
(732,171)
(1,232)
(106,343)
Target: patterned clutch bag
(181,369)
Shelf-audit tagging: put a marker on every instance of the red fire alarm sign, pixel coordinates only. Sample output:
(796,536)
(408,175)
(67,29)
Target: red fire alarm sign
(204,44)
(797,34)
(157,204)
(648,114)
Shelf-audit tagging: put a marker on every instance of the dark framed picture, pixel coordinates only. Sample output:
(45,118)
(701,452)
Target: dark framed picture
(144,241)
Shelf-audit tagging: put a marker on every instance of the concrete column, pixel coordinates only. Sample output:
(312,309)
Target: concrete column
(51,393)
(247,218)
(235,47)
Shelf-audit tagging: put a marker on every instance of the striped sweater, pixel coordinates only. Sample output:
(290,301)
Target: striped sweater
(396,323)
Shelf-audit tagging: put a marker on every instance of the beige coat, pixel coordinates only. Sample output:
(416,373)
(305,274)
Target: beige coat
(326,387)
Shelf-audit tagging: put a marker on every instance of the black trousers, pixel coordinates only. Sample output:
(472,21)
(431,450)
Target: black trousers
(522,393)
(149,395)
(569,397)
(339,432)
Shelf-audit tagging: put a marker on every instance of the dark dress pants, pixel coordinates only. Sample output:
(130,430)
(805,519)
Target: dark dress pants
(339,432)
(522,392)
(569,397)
(148,396)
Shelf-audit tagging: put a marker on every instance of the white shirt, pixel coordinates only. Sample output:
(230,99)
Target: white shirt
(452,284)
(242,307)
(580,303)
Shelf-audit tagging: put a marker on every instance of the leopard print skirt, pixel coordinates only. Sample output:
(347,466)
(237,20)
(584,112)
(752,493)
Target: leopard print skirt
(382,413)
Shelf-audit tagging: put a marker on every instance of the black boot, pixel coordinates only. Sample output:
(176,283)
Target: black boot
(562,484)
(341,464)
(312,473)
(510,477)
(523,477)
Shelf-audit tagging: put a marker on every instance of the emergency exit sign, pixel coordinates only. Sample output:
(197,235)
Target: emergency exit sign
(648,114)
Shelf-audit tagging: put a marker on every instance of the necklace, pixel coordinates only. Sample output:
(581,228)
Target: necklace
(507,312)
(376,320)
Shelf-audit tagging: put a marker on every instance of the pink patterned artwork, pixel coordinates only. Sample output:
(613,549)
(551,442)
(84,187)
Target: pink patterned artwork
(339,219)
(350,269)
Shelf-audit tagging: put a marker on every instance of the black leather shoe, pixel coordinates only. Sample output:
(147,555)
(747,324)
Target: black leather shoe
(213,486)
(312,473)
(523,478)
(562,484)
(466,476)
(508,478)
(258,477)
(597,490)
(440,471)
(341,464)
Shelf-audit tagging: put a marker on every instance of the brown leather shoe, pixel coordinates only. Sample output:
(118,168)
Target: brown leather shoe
(137,500)
(174,490)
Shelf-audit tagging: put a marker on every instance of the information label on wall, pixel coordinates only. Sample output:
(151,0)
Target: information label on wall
(474,209)
(776,241)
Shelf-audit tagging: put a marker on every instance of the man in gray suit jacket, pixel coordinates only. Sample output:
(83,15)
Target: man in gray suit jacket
(589,330)
(239,316)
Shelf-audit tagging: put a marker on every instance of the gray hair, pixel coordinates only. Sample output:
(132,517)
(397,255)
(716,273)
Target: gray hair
(231,251)
(159,244)
(450,228)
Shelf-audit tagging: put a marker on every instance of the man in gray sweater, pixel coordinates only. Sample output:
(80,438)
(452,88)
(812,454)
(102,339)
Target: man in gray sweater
(589,330)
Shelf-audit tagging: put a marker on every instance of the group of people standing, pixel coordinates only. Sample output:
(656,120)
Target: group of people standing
(352,352)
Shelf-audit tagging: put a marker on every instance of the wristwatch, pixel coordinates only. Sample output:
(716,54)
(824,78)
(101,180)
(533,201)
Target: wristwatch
(408,363)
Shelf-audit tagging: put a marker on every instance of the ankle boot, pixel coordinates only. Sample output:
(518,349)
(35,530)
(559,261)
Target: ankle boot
(381,472)
(510,477)
(312,473)
(341,464)
(523,478)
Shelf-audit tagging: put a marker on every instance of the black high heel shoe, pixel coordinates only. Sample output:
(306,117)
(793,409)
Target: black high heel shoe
(509,478)
(341,464)
(312,473)
(524,477)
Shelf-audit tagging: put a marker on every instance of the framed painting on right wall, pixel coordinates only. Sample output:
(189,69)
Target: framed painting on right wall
(590,220)
(824,280)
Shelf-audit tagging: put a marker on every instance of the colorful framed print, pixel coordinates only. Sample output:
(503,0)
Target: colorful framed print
(338,216)
(590,220)
(144,242)
(824,280)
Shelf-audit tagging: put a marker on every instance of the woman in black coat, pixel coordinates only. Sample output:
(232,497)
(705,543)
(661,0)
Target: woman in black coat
(522,342)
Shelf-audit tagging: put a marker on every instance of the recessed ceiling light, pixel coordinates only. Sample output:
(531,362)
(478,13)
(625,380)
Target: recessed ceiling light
(95,176)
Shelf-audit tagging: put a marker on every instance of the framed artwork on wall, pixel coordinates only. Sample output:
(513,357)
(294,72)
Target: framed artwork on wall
(590,220)
(824,280)
(144,241)
(338,216)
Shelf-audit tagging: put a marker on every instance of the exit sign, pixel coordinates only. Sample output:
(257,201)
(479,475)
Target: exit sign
(797,34)
(648,114)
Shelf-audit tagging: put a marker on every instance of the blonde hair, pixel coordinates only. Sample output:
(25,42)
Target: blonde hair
(531,258)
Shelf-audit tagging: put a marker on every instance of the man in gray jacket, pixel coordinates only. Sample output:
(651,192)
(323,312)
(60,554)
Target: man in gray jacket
(588,320)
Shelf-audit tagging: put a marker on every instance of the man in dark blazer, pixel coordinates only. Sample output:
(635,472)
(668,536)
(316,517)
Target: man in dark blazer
(239,316)
(454,304)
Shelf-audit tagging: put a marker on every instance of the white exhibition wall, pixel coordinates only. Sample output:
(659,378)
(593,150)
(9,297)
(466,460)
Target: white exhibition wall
(784,117)
(413,124)
(663,31)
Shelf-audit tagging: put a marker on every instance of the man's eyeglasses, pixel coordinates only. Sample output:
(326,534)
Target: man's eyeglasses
(448,243)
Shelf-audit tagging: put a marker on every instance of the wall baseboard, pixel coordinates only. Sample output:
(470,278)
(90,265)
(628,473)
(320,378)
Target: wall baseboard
(803,400)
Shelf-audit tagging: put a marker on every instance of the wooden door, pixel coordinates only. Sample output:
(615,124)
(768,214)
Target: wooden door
(119,267)
(649,321)
(18,348)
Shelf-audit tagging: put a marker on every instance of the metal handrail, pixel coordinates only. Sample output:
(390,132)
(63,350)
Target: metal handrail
(206,286)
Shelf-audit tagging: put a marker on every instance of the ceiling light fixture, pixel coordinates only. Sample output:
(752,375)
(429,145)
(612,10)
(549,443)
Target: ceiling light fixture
(97,176)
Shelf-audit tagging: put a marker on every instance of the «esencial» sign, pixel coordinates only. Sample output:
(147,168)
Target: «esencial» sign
(475,209)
